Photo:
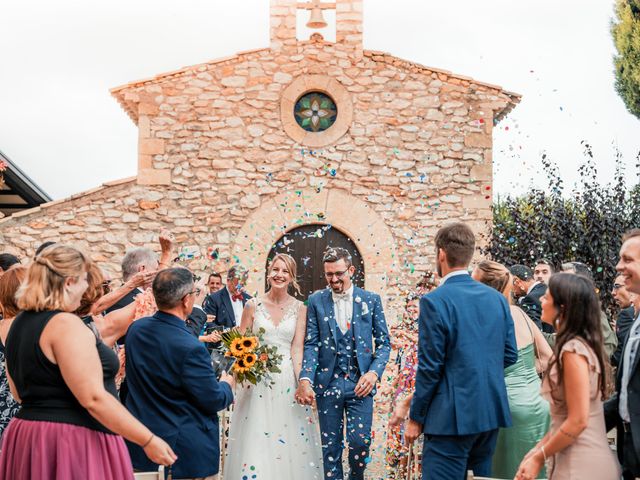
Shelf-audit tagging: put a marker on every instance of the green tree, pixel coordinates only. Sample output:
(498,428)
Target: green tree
(626,37)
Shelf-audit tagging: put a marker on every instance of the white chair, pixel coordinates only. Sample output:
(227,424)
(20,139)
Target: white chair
(159,475)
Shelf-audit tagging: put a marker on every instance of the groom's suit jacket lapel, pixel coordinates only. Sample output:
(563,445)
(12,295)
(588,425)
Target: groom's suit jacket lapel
(329,309)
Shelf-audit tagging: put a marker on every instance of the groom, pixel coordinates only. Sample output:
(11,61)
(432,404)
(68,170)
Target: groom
(340,365)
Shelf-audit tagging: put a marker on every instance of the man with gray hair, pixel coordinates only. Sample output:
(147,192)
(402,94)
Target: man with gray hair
(173,388)
(139,266)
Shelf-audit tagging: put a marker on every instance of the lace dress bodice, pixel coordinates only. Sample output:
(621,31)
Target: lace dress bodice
(280,335)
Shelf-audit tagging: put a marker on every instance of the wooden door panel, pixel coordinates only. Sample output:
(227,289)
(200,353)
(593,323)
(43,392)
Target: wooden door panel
(306,245)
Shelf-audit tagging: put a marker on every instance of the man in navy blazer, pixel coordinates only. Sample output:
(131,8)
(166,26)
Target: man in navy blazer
(227,304)
(466,339)
(172,385)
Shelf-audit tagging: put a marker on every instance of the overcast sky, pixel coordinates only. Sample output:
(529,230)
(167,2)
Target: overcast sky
(59,59)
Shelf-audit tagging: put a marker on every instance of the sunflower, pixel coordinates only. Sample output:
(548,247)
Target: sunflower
(249,343)
(240,366)
(249,359)
(236,348)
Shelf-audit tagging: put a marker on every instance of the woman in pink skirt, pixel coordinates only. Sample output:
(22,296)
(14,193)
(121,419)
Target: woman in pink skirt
(70,422)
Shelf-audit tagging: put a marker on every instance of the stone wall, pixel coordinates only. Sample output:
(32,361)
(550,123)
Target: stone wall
(217,168)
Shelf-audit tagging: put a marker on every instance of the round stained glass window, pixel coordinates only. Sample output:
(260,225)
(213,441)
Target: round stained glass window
(315,111)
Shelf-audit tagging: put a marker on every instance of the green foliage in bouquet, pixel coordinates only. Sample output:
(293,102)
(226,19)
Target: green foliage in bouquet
(255,361)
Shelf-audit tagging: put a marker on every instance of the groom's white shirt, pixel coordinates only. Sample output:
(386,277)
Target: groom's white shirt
(343,308)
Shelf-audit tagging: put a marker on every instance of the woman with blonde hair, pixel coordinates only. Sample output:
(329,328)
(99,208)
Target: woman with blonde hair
(70,420)
(529,411)
(270,432)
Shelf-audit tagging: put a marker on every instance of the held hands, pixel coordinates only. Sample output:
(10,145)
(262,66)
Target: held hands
(159,452)
(412,431)
(304,393)
(531,465)
(365,384)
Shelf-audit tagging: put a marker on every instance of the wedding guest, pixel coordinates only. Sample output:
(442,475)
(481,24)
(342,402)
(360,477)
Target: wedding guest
(214,282)
(622,409)
(172,384)
(466,340)
(543,270)
(227,304)
(626,315)
(70,420)
(406,344)
(7,261)
(108,327)
(609,336)
(529,411)
(9,284)
(527,290)
(574,384)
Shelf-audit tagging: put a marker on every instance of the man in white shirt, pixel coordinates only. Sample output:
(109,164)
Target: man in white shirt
(623,409)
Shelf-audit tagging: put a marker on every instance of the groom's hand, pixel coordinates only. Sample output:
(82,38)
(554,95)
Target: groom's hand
(365,384)
(412,430)
(304,393)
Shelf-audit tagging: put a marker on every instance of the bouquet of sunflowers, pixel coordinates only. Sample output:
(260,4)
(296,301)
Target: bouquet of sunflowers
(255,361)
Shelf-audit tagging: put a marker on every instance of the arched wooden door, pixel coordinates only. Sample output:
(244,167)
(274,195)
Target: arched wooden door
(306,245)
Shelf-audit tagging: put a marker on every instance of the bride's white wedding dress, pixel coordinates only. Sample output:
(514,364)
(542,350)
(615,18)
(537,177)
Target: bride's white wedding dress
(271,437)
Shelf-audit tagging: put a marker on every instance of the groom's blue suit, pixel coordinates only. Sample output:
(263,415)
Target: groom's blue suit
(466,341)
(333,362)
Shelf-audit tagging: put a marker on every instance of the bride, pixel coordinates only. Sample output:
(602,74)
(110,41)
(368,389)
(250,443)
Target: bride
(272,437)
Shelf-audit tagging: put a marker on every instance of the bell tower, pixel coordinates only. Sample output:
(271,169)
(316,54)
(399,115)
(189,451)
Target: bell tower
(283,15)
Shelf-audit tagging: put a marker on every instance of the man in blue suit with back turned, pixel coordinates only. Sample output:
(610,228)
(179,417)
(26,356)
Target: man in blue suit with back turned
(466,339)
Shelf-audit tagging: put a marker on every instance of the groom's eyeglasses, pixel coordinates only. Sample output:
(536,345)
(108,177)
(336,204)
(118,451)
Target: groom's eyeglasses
(338,275)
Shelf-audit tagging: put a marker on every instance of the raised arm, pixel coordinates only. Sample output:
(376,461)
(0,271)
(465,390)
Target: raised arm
(297,345)
(110,299)
(115,324)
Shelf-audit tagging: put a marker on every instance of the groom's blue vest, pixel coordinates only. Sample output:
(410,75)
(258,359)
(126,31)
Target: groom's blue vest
(347,359)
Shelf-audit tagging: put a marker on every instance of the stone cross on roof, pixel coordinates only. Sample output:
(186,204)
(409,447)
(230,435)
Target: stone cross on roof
(348,22)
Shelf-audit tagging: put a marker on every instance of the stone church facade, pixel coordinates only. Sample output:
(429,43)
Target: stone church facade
(227,162)
(224,163)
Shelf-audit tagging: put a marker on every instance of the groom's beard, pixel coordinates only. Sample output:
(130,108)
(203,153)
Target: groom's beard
(338,287)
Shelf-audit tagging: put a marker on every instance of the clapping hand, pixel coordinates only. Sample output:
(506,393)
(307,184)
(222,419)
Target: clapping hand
(140,279)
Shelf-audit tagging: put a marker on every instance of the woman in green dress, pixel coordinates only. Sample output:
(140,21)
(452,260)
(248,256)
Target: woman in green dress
(529,411)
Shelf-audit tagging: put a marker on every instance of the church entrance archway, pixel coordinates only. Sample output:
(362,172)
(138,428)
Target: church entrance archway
(306,244)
